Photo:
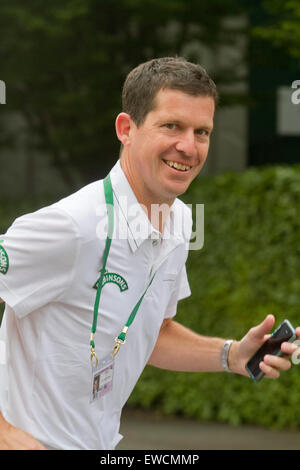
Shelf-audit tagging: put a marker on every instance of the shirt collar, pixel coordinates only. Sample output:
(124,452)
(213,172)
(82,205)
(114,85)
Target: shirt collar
(133,218)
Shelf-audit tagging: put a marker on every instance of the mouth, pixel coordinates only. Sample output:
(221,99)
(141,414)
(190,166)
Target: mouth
(177,166)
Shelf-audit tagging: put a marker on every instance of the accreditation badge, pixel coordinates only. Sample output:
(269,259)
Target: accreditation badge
(102,378)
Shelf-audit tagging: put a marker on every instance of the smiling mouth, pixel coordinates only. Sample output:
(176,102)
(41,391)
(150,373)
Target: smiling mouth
(177,166)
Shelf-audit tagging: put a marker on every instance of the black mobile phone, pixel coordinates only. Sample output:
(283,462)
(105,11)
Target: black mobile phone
(285,332)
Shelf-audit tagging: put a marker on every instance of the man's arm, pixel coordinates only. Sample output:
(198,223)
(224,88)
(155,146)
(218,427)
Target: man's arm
(181,349)
(12,438)
(178,348)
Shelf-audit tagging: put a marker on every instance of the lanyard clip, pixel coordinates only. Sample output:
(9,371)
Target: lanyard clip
(93,354)
(117,346)
(94,358)
(120,340)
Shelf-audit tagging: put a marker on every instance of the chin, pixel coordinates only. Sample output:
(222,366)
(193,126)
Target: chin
(174,192)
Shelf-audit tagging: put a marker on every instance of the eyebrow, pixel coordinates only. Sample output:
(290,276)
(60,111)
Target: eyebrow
(206,128)
(180,123)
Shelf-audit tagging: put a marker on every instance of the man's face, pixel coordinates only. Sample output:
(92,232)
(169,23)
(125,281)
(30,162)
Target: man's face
(169,149)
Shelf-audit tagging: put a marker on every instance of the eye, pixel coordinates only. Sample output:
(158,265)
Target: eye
(203,132)
(170,126)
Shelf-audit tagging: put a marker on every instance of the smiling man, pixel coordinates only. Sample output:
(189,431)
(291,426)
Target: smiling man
(170,148)
(73,298)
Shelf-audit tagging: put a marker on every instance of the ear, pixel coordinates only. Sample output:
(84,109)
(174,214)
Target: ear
(123,126)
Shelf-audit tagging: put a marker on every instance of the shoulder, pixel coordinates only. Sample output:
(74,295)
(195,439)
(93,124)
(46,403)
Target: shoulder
(83,208)
(73,217)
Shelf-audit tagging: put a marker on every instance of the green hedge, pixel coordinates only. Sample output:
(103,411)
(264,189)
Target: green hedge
(249,267)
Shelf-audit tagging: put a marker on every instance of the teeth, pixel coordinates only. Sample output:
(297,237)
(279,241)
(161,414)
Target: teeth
(178,166)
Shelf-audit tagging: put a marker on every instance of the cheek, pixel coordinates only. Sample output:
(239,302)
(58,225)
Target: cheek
(152,152)
(203,152)
(149,150)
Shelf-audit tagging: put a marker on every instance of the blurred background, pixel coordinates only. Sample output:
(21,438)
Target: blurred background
(61,74)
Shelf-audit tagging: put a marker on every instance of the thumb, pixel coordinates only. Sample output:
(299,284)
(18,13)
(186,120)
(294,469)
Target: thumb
(258,332)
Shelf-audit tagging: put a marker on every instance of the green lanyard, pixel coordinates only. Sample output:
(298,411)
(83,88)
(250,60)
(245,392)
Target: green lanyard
(121,339)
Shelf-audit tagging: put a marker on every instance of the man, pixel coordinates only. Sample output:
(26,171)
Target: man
(57,255)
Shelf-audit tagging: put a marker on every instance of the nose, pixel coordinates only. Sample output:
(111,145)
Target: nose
(187,144)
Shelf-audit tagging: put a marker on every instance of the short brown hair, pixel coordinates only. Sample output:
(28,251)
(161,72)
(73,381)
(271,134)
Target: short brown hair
(143,83)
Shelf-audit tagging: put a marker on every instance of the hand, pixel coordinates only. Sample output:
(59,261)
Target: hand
(12,438)
(241,351)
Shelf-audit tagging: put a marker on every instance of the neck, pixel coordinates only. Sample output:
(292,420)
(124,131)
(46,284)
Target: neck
(156,208)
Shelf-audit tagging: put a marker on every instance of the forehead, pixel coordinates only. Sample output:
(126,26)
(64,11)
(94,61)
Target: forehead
(178,105)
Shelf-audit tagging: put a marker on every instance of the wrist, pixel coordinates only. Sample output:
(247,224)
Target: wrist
(225,353)
(233,355)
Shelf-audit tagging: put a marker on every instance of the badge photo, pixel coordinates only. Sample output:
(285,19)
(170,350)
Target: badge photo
(102,378)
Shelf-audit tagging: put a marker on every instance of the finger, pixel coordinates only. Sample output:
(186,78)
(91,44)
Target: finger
(276,362)
(289,348)
(258,332)
(267,337)
(269,371)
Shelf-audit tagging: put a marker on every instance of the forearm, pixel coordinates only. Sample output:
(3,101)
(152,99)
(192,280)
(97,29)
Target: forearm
(12,438)
(181,349)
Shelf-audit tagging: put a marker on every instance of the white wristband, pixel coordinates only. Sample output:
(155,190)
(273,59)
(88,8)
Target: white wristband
(224,354)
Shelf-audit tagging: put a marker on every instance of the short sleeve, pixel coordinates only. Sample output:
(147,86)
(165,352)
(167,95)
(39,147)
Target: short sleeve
(38,255)
(181,291)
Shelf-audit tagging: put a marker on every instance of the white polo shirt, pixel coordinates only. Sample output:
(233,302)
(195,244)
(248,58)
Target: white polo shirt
(50,264)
